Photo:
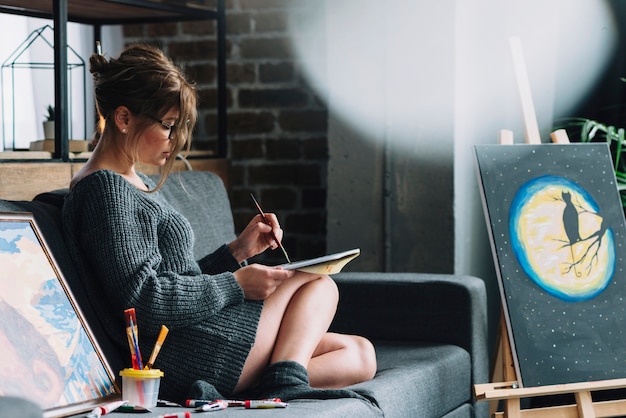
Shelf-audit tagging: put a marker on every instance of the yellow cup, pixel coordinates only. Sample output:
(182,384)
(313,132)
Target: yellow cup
(141,387)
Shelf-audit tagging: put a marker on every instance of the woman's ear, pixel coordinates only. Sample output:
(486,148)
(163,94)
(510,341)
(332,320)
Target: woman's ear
(122,118)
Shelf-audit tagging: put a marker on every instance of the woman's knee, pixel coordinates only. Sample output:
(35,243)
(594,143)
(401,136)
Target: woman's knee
(362,357)
(330,289)
(367,357)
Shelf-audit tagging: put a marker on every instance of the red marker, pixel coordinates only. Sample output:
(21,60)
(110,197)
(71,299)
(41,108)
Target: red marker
(105,409)
(186,414)
(265,404)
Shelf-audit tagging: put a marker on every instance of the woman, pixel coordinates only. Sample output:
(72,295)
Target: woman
(231,326)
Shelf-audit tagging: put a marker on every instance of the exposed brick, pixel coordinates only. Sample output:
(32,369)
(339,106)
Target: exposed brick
(316,101)
(309,248)
(237,177)
(264,98)
(276,73)
(166,29)
(241,199)
(208,98)
(315,148)
(267,48)
(199,50)
(156,42)
(200,27)
(306,120)
(238,24)
(211,4)
(131,31)
(250,122)
(247,149)
(282,149)
(210,124)
(277,125)
(203,144)
(270,22)
(306,223)
(314,198)
(203,73)
(285,174)
(277,199)
(240,73)
(241,220)
(264,4)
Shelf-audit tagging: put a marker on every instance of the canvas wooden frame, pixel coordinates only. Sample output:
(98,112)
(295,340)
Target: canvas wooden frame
(49,353)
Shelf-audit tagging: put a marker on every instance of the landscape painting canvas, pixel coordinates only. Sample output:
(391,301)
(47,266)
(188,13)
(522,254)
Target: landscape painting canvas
(48,353)
(557,233)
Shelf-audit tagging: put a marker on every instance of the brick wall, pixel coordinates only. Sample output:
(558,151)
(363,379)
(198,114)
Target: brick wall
(277,127)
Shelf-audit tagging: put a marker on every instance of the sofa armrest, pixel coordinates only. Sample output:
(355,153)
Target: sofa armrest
(417,307)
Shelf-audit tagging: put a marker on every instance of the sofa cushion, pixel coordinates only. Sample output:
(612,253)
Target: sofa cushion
(18,407)
(419,379)
(413,380)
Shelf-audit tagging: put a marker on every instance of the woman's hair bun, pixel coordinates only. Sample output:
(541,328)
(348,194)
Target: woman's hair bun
(97,63)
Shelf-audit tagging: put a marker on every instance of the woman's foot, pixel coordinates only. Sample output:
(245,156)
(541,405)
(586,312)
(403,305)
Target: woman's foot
(289,380)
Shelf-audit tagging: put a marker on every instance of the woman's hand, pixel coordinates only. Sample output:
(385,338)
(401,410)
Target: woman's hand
(257,237)
(258,281)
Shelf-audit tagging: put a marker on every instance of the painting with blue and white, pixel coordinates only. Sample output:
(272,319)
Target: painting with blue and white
(47,354)
(557,233)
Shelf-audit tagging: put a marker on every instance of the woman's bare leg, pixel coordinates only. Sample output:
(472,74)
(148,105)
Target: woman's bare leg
(292,323)
(293,326)
(306,320)
(342,360)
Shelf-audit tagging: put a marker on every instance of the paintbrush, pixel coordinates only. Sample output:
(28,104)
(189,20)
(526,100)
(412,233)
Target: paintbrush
(268,222)
(157,347)
(132,332)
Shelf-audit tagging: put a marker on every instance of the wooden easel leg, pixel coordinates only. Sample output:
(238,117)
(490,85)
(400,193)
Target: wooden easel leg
(585,404)
(503,368)
(512,408)
(508,368)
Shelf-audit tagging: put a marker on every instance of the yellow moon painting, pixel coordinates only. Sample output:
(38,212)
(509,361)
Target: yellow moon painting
(559,238)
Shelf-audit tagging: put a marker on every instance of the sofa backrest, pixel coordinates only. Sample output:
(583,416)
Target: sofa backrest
(201,197)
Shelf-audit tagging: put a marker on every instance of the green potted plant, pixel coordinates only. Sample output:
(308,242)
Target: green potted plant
(588,130)
(48,124)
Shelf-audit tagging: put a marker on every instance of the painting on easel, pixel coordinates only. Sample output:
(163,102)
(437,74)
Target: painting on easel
(558,238)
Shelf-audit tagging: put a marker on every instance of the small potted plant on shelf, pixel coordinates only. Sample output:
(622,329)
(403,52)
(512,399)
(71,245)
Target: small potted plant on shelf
(48,124)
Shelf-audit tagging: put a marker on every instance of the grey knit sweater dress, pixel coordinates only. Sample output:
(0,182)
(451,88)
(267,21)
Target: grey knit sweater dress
(132,249)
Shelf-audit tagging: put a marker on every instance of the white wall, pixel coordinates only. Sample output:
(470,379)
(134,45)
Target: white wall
(429,80)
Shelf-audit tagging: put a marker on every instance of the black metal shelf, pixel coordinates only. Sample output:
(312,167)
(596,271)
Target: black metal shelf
(107,12)
(98,13)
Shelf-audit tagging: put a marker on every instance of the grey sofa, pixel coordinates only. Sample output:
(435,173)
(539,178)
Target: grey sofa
(430,330)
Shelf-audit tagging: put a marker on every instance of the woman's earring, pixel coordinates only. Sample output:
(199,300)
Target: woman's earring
(124,130)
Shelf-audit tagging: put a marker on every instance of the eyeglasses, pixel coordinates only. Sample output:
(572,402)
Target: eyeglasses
(170,126)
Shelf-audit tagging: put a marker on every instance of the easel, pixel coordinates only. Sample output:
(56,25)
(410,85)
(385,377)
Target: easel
(509,391)
(510,394)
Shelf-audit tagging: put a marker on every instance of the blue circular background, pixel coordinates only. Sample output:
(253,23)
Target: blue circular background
(523,195)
